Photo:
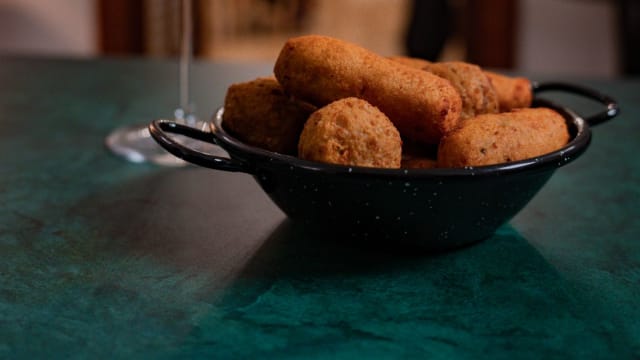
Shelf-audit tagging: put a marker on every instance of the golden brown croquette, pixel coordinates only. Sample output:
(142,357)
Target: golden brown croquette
(353,132)
(498,138)
(259,113)
(321,69)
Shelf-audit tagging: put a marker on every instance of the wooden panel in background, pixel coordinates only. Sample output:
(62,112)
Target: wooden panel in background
(491,27)
(120,28)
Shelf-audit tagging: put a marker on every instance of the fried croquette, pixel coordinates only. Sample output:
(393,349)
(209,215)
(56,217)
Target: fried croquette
(498,138)
(409,162)
(513,92)
(476,90)
(352,132)
(473,85)
(410,61)
(320,70)
(259,113)
(418,156)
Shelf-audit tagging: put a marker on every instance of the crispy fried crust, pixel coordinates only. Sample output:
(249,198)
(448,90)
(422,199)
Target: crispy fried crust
(259,113)
(418,156)
(513,92)
(498,138)
(321,69)
(409,162)
(353,132)
(411,61)
(473,85)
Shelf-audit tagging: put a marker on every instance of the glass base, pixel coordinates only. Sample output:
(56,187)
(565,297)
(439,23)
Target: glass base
(135,144)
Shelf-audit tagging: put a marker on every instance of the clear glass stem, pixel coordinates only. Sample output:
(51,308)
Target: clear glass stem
(134,142)
(185,111)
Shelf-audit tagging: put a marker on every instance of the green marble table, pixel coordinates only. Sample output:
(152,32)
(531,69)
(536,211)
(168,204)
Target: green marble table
(106,259)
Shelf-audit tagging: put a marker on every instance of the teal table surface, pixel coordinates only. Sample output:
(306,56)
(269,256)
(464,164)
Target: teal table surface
(106,259)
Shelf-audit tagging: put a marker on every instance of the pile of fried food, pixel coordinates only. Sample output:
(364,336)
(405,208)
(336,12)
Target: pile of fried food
(335,102)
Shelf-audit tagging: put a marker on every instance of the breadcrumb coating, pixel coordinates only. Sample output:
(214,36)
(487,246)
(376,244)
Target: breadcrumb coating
(352,132)
(259,113)
(499,138)
(322,69)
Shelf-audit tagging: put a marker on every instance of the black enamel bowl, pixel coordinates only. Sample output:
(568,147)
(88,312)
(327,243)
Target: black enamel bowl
(433,208)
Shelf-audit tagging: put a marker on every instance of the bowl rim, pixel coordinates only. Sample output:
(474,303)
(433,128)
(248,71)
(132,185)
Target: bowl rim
(545,162)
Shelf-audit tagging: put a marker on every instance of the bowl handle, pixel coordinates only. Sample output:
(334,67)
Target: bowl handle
(609,113)
(159,130)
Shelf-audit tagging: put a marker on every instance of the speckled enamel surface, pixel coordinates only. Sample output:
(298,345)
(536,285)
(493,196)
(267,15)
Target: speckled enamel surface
(106,259)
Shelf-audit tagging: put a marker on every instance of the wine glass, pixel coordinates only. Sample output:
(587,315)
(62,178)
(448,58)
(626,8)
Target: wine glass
(133,142)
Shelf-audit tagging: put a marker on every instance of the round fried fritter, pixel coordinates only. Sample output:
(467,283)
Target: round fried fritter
(353,132)
(473,85)
(259,113)
(498,138)
(321,69)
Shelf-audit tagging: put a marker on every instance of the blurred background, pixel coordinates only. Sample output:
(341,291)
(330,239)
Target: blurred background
(596,38)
